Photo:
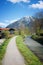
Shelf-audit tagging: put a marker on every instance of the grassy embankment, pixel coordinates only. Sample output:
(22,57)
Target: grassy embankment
(29,57)
(3,49)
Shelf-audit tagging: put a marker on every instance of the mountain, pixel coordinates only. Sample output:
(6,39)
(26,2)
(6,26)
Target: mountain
(27,22)
(23,21)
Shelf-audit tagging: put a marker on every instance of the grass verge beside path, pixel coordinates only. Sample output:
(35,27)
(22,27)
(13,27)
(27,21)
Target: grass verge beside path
(30,58)
(3,49)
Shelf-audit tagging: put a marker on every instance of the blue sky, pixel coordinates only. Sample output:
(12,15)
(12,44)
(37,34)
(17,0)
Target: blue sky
(12,10)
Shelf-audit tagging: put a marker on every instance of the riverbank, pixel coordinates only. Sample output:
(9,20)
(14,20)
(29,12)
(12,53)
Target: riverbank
(30,58)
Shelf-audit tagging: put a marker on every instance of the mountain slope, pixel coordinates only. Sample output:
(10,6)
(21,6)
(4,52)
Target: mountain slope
(25,21)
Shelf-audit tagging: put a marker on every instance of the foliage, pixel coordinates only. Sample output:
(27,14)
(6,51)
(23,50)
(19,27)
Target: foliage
(29,57)
(16,32)
(35,36)
(6,34)
(24,31)
(38,22)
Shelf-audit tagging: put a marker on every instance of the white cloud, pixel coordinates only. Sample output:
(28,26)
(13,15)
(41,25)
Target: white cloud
(38,5)
(15,1)
(11,21)
(7,22)
(2,24)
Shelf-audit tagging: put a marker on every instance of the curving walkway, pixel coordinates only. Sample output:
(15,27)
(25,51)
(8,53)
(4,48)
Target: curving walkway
(12,55)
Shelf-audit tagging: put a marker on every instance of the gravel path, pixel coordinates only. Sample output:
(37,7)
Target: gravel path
(12,55)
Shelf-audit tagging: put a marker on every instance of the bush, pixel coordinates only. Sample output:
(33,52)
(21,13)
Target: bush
(6,34)
(35,36)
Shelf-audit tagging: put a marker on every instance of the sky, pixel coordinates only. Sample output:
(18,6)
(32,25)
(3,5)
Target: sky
(13,10)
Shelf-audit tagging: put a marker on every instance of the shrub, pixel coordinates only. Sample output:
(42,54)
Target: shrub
(6,34)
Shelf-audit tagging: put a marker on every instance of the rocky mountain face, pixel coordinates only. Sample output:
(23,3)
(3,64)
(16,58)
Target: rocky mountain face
(25,21)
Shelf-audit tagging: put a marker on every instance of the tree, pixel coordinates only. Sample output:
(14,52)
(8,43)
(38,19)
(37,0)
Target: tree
(6,34)
(38,22)
(39,15)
